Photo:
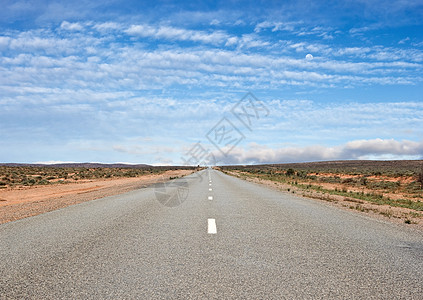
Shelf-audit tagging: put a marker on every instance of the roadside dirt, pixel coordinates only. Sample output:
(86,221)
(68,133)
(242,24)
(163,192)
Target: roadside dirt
(24,201)
(385,212)
(396,195)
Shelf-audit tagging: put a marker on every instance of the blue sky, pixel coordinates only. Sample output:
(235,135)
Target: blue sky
(144,81)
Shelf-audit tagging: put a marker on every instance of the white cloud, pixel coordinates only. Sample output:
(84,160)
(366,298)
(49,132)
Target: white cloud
(172,33)
(404,40)
(362,148)
(40,67)
(231,41)
(296,28)
(104,80)
(71,26)
(360,30)
(107,27)
(215,22)
(356,51)
(251,41)
(40,57)
(359,149)
(4,41)
(138,68)
(239,23)
(276,26)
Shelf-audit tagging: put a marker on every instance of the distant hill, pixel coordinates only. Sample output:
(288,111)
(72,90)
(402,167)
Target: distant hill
(78,165)
(384,166)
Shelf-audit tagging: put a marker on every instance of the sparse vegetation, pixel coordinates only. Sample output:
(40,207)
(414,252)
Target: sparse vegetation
(420,177)
(12,176)
(393,183)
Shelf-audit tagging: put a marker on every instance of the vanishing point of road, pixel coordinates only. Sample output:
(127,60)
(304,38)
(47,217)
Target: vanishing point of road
(229,239)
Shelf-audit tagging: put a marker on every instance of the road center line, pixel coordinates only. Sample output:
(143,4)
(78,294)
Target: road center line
(212,226)
(210,198)
(210,190)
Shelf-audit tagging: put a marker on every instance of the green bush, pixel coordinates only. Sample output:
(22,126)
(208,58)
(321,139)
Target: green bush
(290,172)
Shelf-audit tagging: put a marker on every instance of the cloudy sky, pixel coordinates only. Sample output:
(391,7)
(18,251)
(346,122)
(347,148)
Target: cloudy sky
(154,81)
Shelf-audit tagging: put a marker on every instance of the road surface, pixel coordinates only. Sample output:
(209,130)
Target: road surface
(229,239)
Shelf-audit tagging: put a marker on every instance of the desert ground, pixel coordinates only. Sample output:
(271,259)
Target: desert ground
(19,200)
(389,190)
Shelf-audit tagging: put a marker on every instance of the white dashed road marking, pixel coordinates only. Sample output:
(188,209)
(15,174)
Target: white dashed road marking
(210,198)
(212,226)
(210,190)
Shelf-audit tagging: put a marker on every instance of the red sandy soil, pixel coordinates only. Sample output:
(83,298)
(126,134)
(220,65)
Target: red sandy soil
(24,201)
(332,186)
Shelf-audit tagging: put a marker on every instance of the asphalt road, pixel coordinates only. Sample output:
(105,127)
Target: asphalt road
(245,242)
